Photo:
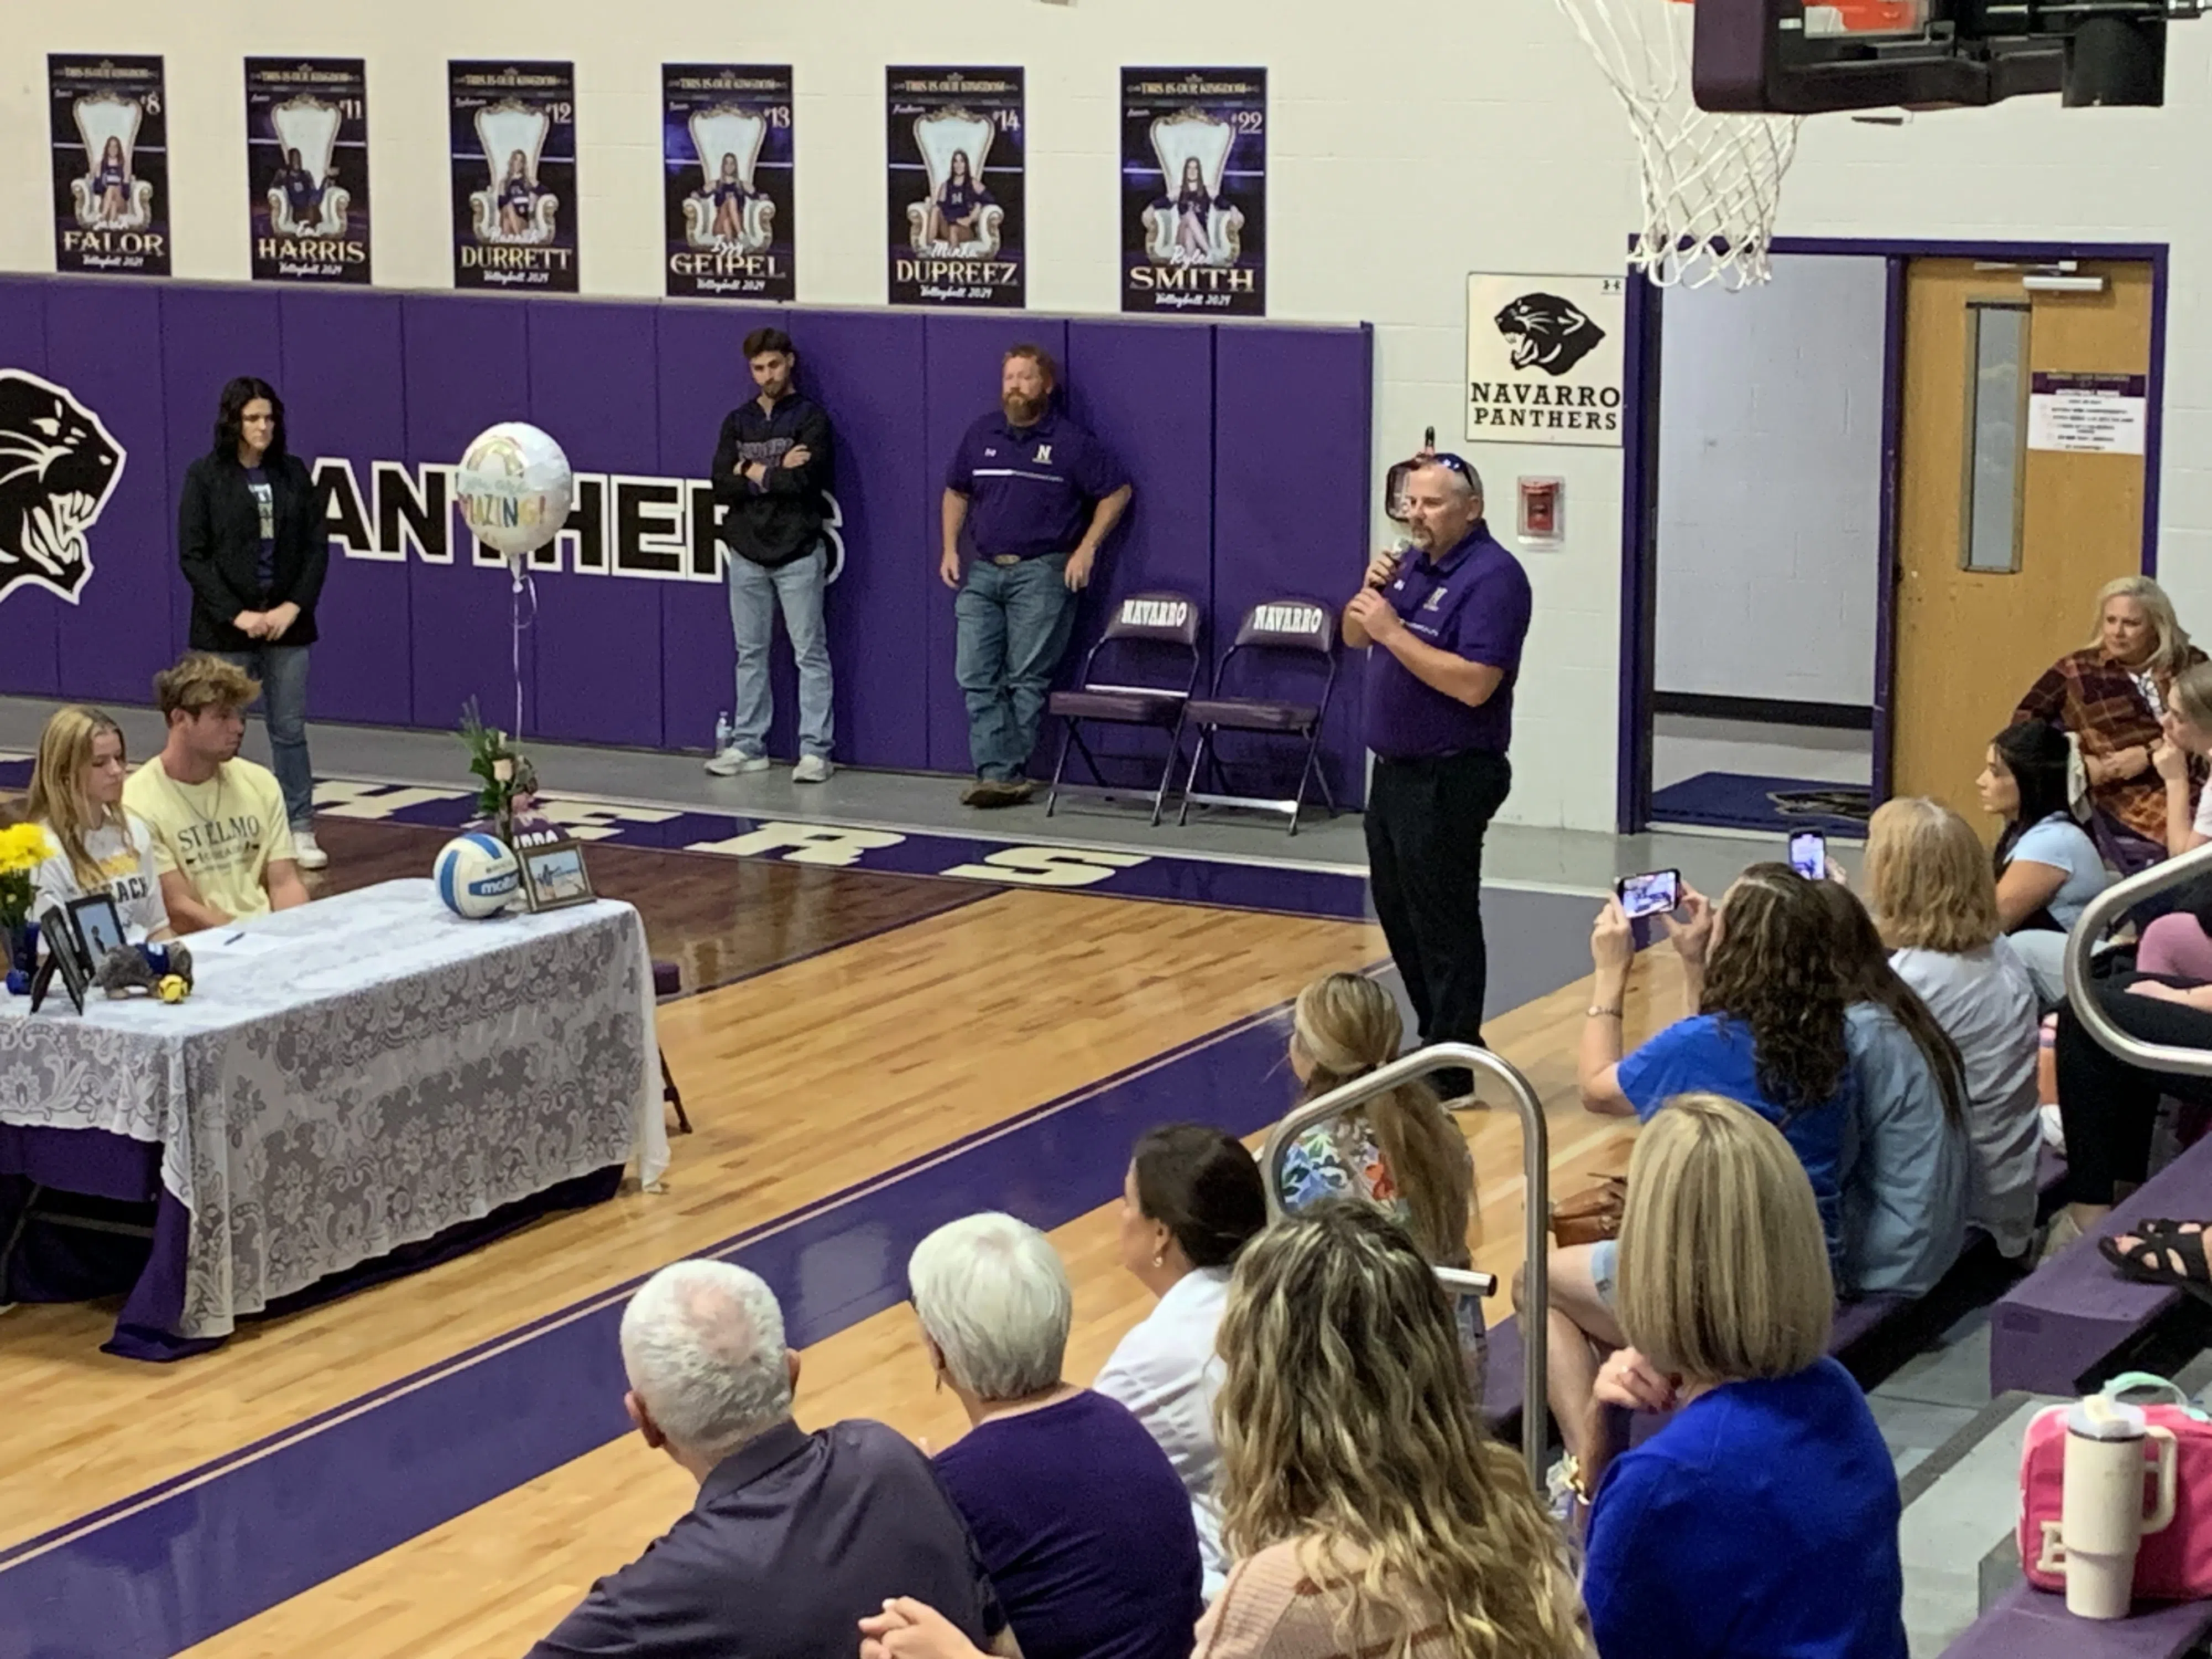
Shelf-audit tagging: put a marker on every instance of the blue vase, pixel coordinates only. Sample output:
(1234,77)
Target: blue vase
(22,956)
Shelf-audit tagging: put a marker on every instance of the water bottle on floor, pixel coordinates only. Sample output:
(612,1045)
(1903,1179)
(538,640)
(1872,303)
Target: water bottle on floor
(723,729)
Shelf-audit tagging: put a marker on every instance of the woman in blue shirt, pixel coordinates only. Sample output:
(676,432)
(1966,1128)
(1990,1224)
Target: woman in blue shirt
(1762,1519)
(1764,1026)
(2047,868)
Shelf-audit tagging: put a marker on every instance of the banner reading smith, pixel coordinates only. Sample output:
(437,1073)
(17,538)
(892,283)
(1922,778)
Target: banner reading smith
(955,172)
(1194,192)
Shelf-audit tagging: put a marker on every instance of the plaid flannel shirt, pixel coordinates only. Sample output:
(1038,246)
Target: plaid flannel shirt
(2094,698)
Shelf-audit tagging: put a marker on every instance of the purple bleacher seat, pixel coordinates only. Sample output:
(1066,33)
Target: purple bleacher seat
(2027,1623)
(2063,1319)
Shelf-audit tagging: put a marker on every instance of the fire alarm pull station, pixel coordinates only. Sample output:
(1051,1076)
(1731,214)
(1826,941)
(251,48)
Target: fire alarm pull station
(1543,510)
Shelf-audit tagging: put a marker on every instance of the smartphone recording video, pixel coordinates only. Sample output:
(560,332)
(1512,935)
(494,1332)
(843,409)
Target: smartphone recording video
(1655,893)
(1809,854)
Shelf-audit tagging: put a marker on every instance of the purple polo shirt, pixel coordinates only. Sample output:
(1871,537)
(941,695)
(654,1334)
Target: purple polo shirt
(1031,489)
(1474,602)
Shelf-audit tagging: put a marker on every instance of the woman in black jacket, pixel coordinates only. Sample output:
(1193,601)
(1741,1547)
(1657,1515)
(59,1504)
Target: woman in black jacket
(253,549)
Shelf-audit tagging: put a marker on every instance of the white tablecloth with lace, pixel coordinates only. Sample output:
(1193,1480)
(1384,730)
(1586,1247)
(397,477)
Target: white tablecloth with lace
(356,1075)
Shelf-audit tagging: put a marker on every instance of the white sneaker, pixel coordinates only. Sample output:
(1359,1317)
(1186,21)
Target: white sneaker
(734,760)
(308,855)
(812,769)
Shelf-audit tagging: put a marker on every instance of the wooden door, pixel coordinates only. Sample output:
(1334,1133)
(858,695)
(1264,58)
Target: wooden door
(1971,640)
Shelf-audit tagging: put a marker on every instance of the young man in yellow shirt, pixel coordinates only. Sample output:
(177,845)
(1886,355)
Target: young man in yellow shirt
(222,843)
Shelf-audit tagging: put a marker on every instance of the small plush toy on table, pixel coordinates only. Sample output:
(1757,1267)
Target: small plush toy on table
(163,971)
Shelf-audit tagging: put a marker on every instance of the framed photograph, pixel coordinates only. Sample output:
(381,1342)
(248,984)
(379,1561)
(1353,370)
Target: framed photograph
(553,875)
(98,926)
(64,960)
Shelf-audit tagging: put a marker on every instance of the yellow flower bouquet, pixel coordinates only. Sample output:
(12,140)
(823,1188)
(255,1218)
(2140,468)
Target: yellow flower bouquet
(23,848)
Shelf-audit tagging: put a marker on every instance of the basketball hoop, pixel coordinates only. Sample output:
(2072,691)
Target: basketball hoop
(1712,183)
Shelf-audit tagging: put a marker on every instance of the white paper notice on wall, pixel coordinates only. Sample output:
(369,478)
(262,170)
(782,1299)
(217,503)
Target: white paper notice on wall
(2088,414)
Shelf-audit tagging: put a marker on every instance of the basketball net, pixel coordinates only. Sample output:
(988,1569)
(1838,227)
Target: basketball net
(1712,183)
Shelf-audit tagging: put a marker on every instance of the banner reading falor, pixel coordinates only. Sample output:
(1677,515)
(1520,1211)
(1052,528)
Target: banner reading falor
(111,164)
(306,168)
(955,170)
(1194,191)
(513,131)
(725,148)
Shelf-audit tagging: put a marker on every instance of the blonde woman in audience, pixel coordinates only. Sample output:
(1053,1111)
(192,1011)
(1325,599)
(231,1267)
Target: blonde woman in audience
(1931,892)
(1369,1513)
(1400,1150)
(1762,1518)
(1190,1200)
(76,798)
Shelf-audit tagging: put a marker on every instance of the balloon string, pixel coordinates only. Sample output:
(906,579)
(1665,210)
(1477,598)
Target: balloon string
(524,584)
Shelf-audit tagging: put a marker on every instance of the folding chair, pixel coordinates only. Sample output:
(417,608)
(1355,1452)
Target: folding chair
(668,981)
(1283,626)
(1167,620)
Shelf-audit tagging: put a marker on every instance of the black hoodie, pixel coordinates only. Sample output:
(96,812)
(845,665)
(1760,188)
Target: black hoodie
(776,521)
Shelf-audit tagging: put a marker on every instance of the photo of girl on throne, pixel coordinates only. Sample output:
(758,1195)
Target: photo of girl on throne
(517,197)
(955,212)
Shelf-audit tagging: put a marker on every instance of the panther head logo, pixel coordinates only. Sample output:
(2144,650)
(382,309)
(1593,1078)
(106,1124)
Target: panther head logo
(58,465)
(1547,332)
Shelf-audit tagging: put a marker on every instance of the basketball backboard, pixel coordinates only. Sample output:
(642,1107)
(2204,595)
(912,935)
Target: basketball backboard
(1790,58)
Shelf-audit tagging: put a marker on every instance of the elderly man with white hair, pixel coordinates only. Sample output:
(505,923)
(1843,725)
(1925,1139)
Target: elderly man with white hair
(794,1535)
(1082,1523)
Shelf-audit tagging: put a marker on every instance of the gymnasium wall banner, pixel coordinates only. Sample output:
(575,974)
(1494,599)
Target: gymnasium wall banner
(306,168)
(1544,361)
(954,167)
(111,154)
(1194,192)
(514,148)
(725,148)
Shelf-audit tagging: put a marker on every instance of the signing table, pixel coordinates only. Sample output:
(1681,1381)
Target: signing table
(364,1075)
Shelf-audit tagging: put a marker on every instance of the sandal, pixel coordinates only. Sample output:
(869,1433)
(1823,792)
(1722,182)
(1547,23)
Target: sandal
(2173,1258)
(2164,1227)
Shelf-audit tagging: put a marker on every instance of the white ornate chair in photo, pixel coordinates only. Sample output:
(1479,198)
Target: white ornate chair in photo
(310,127)
(99,118)
(716,133)
(1176,140)
(938,137)
(502,128)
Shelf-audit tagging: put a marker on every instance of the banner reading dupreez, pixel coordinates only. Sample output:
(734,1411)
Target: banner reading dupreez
(1194,191)
(306,168)
(727,185)
(513,149)
(954,169)
(111,164)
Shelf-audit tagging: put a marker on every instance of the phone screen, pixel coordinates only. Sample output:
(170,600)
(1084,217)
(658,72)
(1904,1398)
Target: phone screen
(1655,892)
(1809,854)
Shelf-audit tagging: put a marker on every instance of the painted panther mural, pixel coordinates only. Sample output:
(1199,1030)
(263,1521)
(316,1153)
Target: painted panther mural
(58,465)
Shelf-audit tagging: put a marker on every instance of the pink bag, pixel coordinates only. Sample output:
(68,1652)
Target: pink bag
(2175,1562)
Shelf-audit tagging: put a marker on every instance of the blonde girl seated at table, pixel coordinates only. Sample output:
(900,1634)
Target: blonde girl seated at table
(76,798)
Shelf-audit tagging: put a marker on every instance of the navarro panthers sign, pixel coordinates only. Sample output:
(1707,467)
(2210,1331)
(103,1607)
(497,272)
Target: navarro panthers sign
(1544,359)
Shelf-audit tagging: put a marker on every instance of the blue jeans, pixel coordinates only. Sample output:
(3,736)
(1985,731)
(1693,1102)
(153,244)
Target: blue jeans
(282,671)
(756,594)
(1013,621)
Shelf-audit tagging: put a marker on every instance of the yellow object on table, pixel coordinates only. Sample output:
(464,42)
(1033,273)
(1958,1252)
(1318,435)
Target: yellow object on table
(172,988)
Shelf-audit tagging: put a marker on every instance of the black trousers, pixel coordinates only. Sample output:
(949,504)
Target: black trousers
(1426,822)
(2109,1108)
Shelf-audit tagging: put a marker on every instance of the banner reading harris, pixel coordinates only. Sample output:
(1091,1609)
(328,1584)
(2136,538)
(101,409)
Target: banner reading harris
(954,167)
(306,168)
(514,150)
(1194,191)
(726,148)
(111,164)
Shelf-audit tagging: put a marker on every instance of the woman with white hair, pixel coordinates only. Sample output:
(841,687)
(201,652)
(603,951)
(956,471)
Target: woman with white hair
(2113,695)
(1081,1520)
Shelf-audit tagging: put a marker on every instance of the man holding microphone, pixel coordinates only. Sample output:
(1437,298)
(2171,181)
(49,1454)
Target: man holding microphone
(1444,623)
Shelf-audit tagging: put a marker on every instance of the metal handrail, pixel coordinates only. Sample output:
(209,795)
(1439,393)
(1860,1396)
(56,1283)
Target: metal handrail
(2108,904)
(1535,1158)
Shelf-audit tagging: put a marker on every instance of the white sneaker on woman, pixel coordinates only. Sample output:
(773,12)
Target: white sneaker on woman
(308,855)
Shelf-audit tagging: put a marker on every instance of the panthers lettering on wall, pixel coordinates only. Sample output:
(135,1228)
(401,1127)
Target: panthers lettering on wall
(58,465)
(1544,359)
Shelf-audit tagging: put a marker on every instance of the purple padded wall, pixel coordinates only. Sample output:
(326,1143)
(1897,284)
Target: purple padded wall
(104,343)
(594,387)
(29,666)
(961,357)
(1290,425)
(468,366)
(209,336)
(345,398)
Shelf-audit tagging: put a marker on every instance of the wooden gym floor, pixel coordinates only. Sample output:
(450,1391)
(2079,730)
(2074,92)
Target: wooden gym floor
(439,1466)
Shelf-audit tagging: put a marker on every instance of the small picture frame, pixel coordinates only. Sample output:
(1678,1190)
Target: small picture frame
(64,960)
(553,875)
(98,926)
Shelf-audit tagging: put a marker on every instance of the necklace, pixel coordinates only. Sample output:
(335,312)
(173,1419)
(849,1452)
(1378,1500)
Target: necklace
(177,794)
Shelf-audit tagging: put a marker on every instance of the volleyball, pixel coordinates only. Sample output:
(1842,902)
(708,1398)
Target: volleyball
(476,875)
